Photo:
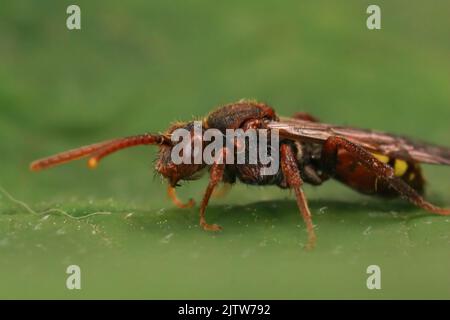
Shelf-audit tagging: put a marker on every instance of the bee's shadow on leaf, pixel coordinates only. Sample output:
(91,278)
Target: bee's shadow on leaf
(275,206)
(287,210)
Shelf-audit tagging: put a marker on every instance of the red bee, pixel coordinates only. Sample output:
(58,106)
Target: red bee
(311,152)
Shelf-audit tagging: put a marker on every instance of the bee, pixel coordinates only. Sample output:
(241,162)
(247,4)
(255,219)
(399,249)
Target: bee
(368,161)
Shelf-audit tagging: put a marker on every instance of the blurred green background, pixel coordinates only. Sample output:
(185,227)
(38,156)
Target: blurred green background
(136,66)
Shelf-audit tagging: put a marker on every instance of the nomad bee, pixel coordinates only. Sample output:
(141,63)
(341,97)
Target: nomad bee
(370,162)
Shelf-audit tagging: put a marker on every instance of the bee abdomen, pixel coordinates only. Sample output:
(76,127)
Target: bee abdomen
(410,172)
(349,171)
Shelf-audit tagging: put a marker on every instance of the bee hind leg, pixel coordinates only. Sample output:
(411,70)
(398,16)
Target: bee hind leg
(380,169)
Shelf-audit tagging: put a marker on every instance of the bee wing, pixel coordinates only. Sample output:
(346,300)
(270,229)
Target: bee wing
(388,144)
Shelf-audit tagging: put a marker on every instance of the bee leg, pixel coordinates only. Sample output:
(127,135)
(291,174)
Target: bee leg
(292,175)
(380,169)
(173,196)
(216,175)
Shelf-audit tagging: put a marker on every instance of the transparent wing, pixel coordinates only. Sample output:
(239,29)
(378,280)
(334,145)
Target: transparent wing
(384,143)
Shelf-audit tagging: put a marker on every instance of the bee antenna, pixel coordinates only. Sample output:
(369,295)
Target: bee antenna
(99,150)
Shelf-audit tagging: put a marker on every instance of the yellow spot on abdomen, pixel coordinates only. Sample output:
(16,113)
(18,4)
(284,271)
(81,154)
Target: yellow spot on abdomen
(381,157)
(400,167)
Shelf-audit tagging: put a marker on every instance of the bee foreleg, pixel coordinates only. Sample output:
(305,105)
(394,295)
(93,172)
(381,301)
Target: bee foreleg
(173,196)
(216,175)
